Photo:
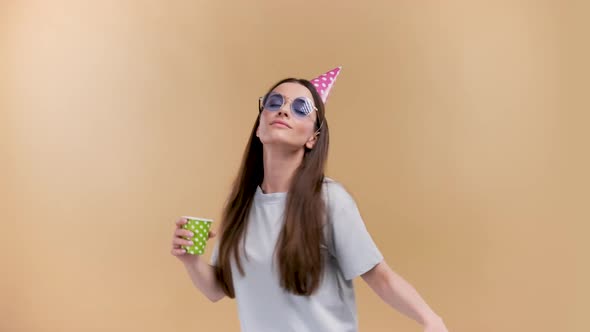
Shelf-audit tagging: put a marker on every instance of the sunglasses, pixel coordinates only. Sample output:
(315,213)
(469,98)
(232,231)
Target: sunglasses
(301,107)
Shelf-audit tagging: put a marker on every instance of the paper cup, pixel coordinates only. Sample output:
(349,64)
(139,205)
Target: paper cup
(200,228)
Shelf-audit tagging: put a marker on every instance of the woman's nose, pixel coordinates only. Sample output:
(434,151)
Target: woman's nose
(283,112)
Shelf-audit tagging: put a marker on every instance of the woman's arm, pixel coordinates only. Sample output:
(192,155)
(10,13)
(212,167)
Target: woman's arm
(400,295)
(202,274)
(203,277)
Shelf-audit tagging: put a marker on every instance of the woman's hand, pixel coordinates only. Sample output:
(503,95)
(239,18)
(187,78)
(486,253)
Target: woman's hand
(183,237)
(436,325)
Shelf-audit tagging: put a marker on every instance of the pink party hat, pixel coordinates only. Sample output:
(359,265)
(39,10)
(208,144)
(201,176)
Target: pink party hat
(324,82)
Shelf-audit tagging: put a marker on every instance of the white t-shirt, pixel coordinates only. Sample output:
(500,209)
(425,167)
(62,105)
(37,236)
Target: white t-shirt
(264,306)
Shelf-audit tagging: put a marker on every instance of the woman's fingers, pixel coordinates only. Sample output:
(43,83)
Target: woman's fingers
(180,222)
(212,234)
(177,252)
(183,232)
(181,242)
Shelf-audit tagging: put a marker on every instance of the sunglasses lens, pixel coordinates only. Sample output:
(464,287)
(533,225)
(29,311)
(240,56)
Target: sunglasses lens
(302,107)
(274,102)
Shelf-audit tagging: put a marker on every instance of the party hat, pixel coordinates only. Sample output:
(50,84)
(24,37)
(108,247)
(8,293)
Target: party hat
(324,82)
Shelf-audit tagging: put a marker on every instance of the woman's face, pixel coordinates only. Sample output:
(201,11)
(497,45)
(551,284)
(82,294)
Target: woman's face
(281,127)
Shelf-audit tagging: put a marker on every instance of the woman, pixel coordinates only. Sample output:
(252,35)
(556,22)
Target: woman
(292,240)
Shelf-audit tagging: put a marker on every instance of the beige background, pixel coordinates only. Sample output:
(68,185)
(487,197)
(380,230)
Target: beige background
(460,128)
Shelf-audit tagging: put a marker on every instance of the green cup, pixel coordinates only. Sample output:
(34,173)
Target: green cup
(200,228)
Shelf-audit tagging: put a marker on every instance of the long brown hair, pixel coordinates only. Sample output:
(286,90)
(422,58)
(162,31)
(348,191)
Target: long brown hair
(297,251)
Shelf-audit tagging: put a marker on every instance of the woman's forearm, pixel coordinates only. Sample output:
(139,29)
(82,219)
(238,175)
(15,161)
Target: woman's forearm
(203,277)
(399,294)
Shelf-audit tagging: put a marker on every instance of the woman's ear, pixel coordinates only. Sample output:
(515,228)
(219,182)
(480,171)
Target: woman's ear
(311,141)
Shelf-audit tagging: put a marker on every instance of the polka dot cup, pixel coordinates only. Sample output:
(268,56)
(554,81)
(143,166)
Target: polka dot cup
(200,228)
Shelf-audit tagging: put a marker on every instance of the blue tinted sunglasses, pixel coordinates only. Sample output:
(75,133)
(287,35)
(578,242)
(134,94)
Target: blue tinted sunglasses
(301,107)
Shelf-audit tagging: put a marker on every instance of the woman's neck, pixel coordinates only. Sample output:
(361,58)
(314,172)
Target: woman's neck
(279,168)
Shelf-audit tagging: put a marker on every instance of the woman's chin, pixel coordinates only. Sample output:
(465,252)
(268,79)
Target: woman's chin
(281,144)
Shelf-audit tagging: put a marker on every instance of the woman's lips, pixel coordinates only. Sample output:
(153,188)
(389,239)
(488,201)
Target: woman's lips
(280,124)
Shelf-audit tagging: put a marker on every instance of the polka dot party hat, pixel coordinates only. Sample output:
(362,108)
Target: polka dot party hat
(325,82)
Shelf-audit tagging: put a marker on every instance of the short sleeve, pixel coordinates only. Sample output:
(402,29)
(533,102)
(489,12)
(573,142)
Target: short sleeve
(214,254)
(352,245)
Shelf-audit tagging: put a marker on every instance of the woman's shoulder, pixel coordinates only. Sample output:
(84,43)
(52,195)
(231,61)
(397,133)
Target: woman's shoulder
(336,192)
(331,184)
